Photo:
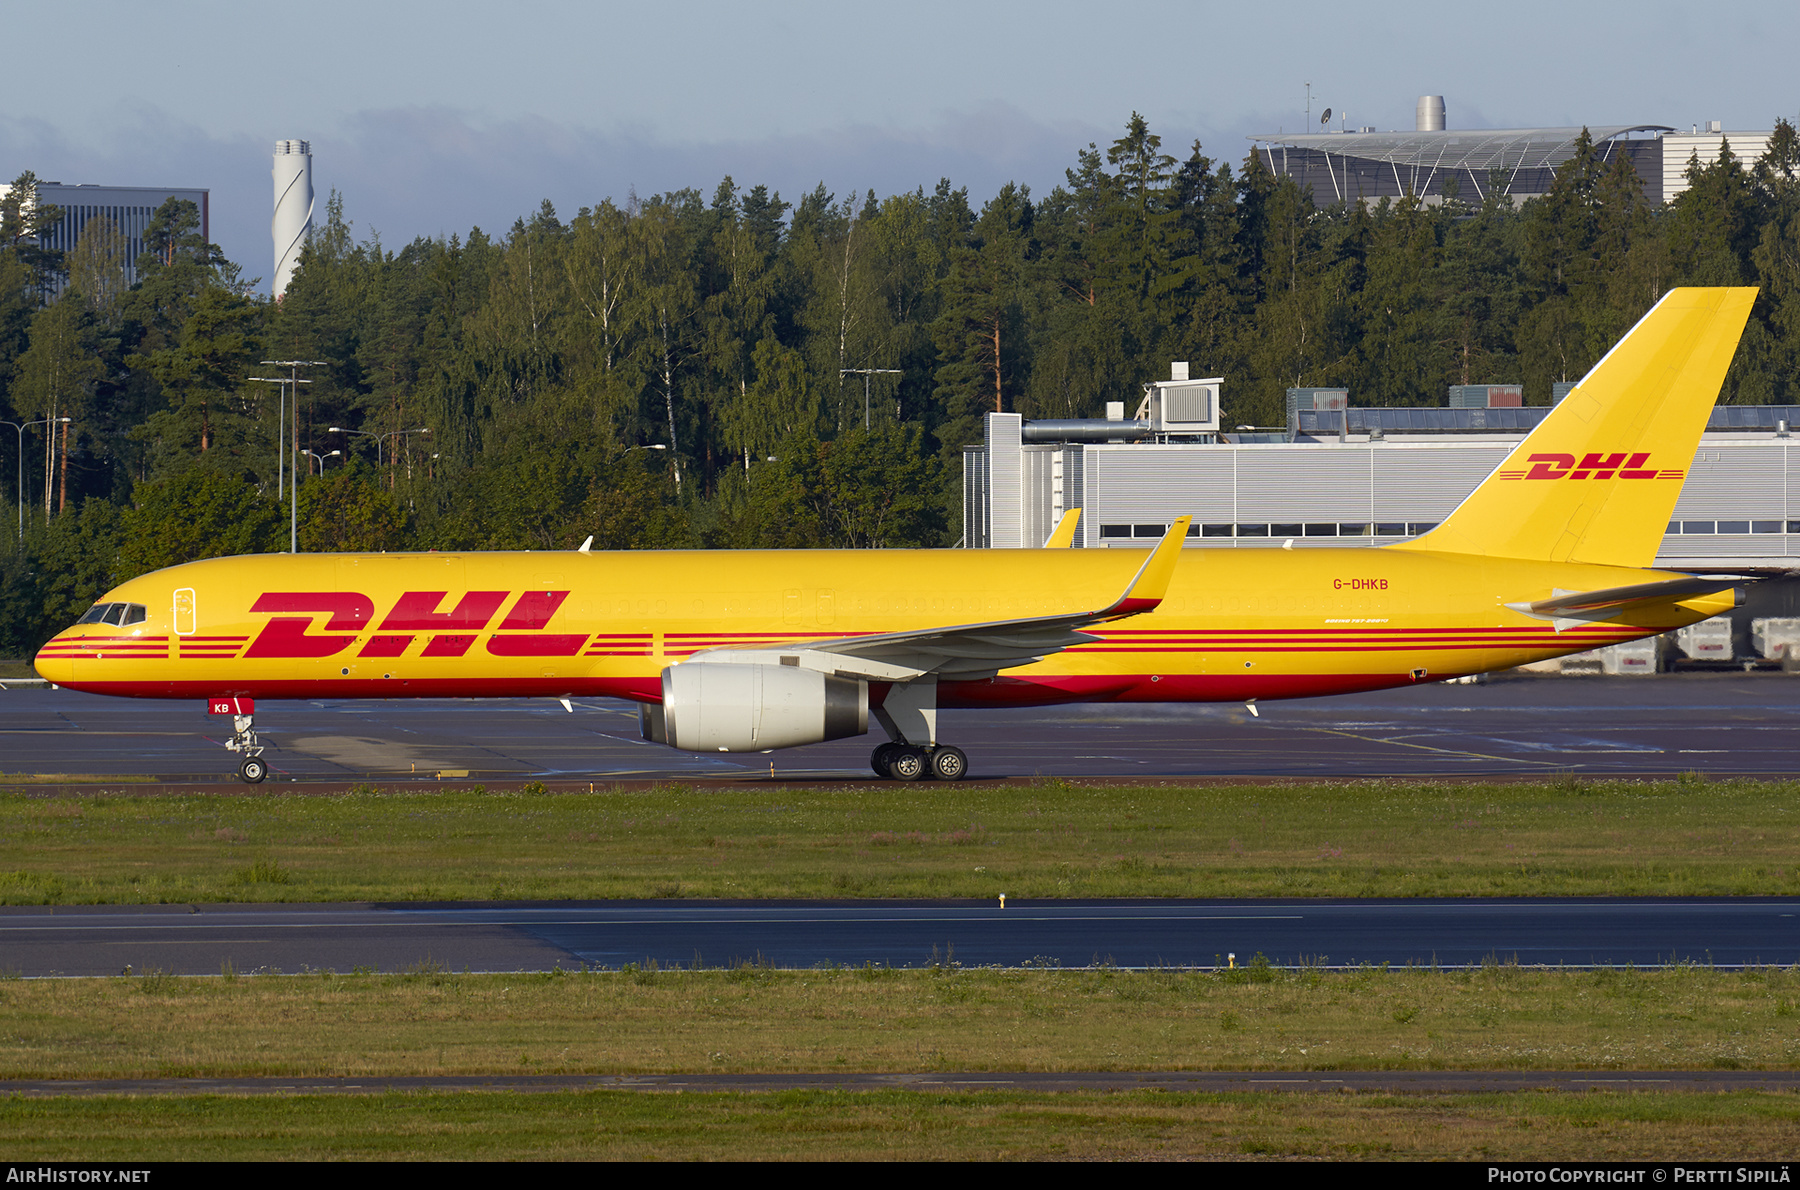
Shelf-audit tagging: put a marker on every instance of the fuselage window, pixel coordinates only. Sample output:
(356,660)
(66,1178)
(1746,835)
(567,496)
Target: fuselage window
(117,614)
(96,614)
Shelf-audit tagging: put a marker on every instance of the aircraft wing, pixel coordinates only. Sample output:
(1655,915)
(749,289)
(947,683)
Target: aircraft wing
(1568,608)
(968,650)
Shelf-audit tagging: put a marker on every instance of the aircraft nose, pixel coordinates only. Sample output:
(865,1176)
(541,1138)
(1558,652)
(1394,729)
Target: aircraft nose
(55,662)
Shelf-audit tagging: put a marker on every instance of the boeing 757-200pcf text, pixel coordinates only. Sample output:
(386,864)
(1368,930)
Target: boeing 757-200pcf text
(747,651)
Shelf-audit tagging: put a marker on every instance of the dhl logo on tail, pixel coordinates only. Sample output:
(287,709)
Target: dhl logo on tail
(1593,465)
(1648,398)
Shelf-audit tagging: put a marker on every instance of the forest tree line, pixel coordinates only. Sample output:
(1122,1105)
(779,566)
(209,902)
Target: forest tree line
(686,371)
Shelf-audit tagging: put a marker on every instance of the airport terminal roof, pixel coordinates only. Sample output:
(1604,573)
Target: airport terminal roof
(1479,149)
(1518,420)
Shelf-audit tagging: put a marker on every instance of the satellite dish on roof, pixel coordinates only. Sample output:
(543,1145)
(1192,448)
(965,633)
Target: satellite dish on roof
(1326,118)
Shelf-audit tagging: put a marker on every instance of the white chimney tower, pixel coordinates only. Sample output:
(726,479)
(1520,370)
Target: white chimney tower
(293,208)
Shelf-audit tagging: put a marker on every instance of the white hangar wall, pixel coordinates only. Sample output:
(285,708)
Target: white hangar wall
(1740,506)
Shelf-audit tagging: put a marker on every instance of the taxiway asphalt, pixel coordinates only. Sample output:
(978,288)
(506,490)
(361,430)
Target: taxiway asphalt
(1722,724)
(1573,932)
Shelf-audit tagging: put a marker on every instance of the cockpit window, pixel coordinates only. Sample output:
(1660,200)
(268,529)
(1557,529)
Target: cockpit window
(118,614)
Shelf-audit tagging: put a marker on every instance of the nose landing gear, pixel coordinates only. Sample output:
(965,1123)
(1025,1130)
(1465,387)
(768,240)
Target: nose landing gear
(243,737)
(244,740)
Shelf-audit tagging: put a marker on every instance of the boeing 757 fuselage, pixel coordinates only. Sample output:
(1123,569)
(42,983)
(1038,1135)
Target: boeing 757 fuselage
(754,650)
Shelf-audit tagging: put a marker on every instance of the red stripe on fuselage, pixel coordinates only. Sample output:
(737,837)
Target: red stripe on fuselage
(992,692)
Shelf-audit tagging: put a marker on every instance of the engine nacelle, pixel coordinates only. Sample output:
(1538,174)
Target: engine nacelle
(753,708)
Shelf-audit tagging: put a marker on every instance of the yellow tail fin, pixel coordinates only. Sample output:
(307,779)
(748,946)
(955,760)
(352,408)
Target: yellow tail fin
(1598,478)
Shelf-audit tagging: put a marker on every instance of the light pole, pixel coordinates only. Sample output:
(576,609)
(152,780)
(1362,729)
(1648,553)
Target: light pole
(656,446)
(336,454)
(281,428)
(865,373)
(379,438)
(293,366)
(19,428)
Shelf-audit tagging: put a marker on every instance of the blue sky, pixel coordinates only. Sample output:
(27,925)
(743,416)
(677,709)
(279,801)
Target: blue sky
(432,118)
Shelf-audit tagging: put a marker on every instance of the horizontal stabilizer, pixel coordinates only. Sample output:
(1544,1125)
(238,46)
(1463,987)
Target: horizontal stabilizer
(1568,608)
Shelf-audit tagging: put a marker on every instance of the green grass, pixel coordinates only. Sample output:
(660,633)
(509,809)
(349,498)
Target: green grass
(873,1019)
(904,1125)
(750,1020)
(1377,838)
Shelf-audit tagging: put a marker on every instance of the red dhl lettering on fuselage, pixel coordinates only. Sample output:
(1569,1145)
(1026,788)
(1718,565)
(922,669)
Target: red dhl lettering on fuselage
(450,633)
(1593,465)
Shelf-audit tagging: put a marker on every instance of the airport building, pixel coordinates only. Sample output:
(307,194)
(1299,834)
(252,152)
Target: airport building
(1370,165)
(1351,477)
(1344,476)
(129,207)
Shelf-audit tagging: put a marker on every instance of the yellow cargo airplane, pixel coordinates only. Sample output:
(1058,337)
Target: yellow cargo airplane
(755,650)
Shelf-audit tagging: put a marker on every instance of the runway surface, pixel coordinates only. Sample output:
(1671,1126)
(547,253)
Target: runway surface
(1719,724)
(202,939)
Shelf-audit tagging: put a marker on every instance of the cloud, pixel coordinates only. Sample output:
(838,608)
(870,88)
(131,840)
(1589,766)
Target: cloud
(144,146)
(433,171)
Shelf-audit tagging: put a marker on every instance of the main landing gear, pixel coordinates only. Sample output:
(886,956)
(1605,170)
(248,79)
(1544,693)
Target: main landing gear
(910,713)
(904,762)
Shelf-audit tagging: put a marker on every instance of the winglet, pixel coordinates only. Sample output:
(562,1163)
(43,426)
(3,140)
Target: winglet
(1063,536)
(1152,581)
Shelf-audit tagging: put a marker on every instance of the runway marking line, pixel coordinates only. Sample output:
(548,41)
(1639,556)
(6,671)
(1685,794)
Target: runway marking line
(187,941)
(1350,735)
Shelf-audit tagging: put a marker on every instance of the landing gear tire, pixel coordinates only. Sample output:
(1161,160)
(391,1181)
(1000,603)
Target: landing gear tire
(948,764)
(253,770)
(878,760)
(906,764)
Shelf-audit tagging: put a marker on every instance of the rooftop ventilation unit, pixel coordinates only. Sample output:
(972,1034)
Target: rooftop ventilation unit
(1486,396)
(1179,405)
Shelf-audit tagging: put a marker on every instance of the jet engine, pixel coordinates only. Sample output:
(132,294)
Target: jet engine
(712,707)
